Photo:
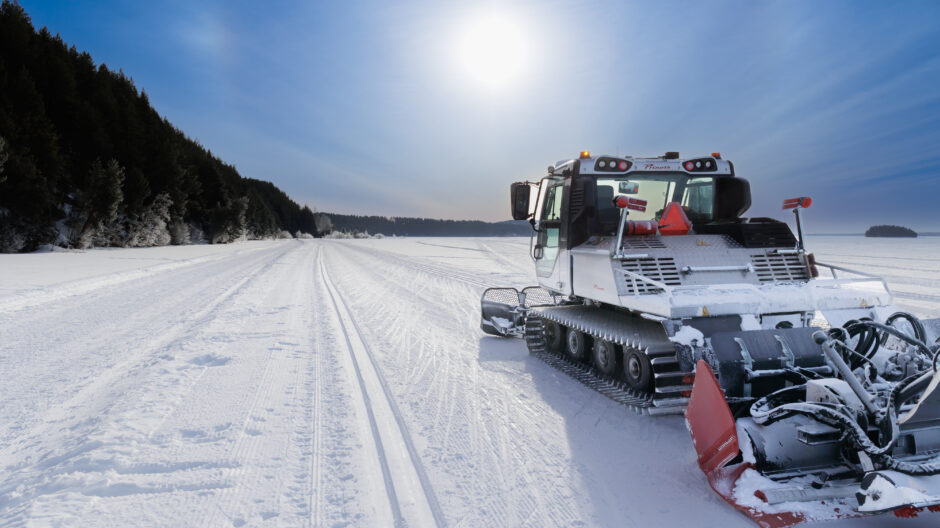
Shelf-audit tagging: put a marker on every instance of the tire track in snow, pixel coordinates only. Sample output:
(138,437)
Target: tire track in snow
(525,269)
(429,269)
(458,398)
(167,339)
(277,384)
(410,494)
(33,475)
(63,291)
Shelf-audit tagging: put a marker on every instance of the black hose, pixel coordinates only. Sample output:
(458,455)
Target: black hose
(886,329)
(868,339)
(849,350)
(920,333)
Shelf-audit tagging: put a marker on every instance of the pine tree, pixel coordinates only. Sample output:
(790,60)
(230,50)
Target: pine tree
(3,157)
(96,209)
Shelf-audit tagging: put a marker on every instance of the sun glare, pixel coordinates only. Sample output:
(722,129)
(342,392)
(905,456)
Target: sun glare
(493,51)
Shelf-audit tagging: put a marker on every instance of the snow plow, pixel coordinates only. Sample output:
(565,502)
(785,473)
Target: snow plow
(807,398)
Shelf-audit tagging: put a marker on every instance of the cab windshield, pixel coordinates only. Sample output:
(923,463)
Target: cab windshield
(696,195)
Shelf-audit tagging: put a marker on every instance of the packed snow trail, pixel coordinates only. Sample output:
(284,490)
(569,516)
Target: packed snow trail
(317,383)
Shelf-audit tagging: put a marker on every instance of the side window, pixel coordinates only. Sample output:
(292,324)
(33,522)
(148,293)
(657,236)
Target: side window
(551,210)
(550,228)
(698,201)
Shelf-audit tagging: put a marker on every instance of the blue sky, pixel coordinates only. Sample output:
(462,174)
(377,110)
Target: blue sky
(373,107)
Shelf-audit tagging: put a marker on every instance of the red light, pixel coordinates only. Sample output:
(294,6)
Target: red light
(621,201)
(636,204)
(622,165)
(689,165)
(793,203)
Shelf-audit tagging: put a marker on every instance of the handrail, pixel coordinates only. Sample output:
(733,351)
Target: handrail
(868,278)
(832,268)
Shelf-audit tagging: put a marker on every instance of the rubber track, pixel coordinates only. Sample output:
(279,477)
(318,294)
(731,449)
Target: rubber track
(617,391)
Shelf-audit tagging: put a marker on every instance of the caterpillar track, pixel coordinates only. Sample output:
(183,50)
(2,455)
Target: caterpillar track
(670,387)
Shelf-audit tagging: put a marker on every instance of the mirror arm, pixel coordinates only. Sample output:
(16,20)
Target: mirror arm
(615,247)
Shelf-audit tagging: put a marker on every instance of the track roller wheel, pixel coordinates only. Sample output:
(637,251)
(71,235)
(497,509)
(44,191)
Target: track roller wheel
(637,369)
(577,345)
(606,358)
(554,336)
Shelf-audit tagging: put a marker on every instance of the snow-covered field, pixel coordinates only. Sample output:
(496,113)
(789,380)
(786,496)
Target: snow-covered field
(331,383)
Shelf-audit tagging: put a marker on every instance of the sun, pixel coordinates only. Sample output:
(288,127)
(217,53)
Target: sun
(492,51)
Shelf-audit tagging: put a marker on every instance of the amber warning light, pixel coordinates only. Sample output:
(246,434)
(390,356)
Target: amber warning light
(585,154)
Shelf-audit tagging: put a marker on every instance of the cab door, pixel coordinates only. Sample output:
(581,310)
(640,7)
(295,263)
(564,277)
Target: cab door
(550,260)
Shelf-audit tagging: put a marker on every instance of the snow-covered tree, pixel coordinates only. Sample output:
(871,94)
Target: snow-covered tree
(94,211)
(152,227)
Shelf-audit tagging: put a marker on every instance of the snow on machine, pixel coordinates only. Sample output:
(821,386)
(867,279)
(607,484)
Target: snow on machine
(807,398)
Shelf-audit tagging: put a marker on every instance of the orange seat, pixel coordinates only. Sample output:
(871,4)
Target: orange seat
(674,220)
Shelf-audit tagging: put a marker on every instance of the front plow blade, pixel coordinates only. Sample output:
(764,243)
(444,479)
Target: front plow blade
(715,438)
(501,313)
(502,310)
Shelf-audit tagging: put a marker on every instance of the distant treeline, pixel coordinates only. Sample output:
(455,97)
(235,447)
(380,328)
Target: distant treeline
(426,226)
(85,160)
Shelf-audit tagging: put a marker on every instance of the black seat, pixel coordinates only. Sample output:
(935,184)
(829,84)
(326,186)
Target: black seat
(608,214)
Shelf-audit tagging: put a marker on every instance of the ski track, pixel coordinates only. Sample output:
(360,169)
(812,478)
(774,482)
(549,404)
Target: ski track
(332,383)
(412,499)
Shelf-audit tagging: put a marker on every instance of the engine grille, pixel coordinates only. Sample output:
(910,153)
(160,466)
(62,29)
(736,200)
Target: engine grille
(779,268)
(643,242)
(658,269)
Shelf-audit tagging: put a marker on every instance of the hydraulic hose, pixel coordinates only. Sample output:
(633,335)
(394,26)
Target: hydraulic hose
(919,331)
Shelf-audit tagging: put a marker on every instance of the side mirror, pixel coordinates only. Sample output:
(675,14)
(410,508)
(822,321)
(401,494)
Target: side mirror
(538,252)
(519,192)
(732,198)
(627,187)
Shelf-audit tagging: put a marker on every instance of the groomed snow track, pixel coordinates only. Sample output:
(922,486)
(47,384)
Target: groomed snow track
(411,498)
(229,386)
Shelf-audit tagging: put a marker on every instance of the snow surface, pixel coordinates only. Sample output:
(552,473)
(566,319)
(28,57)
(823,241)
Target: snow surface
(688,336)
(331,383)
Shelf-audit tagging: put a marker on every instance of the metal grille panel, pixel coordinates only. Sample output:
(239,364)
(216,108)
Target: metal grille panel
(643,242)
(779,268)
(508,296)
(662,270)
(537,296)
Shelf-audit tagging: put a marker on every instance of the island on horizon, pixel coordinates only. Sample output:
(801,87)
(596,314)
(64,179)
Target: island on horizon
(890,231)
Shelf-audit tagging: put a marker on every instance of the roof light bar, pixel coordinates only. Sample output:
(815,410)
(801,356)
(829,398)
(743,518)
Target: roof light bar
(700,165)
(612,165)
